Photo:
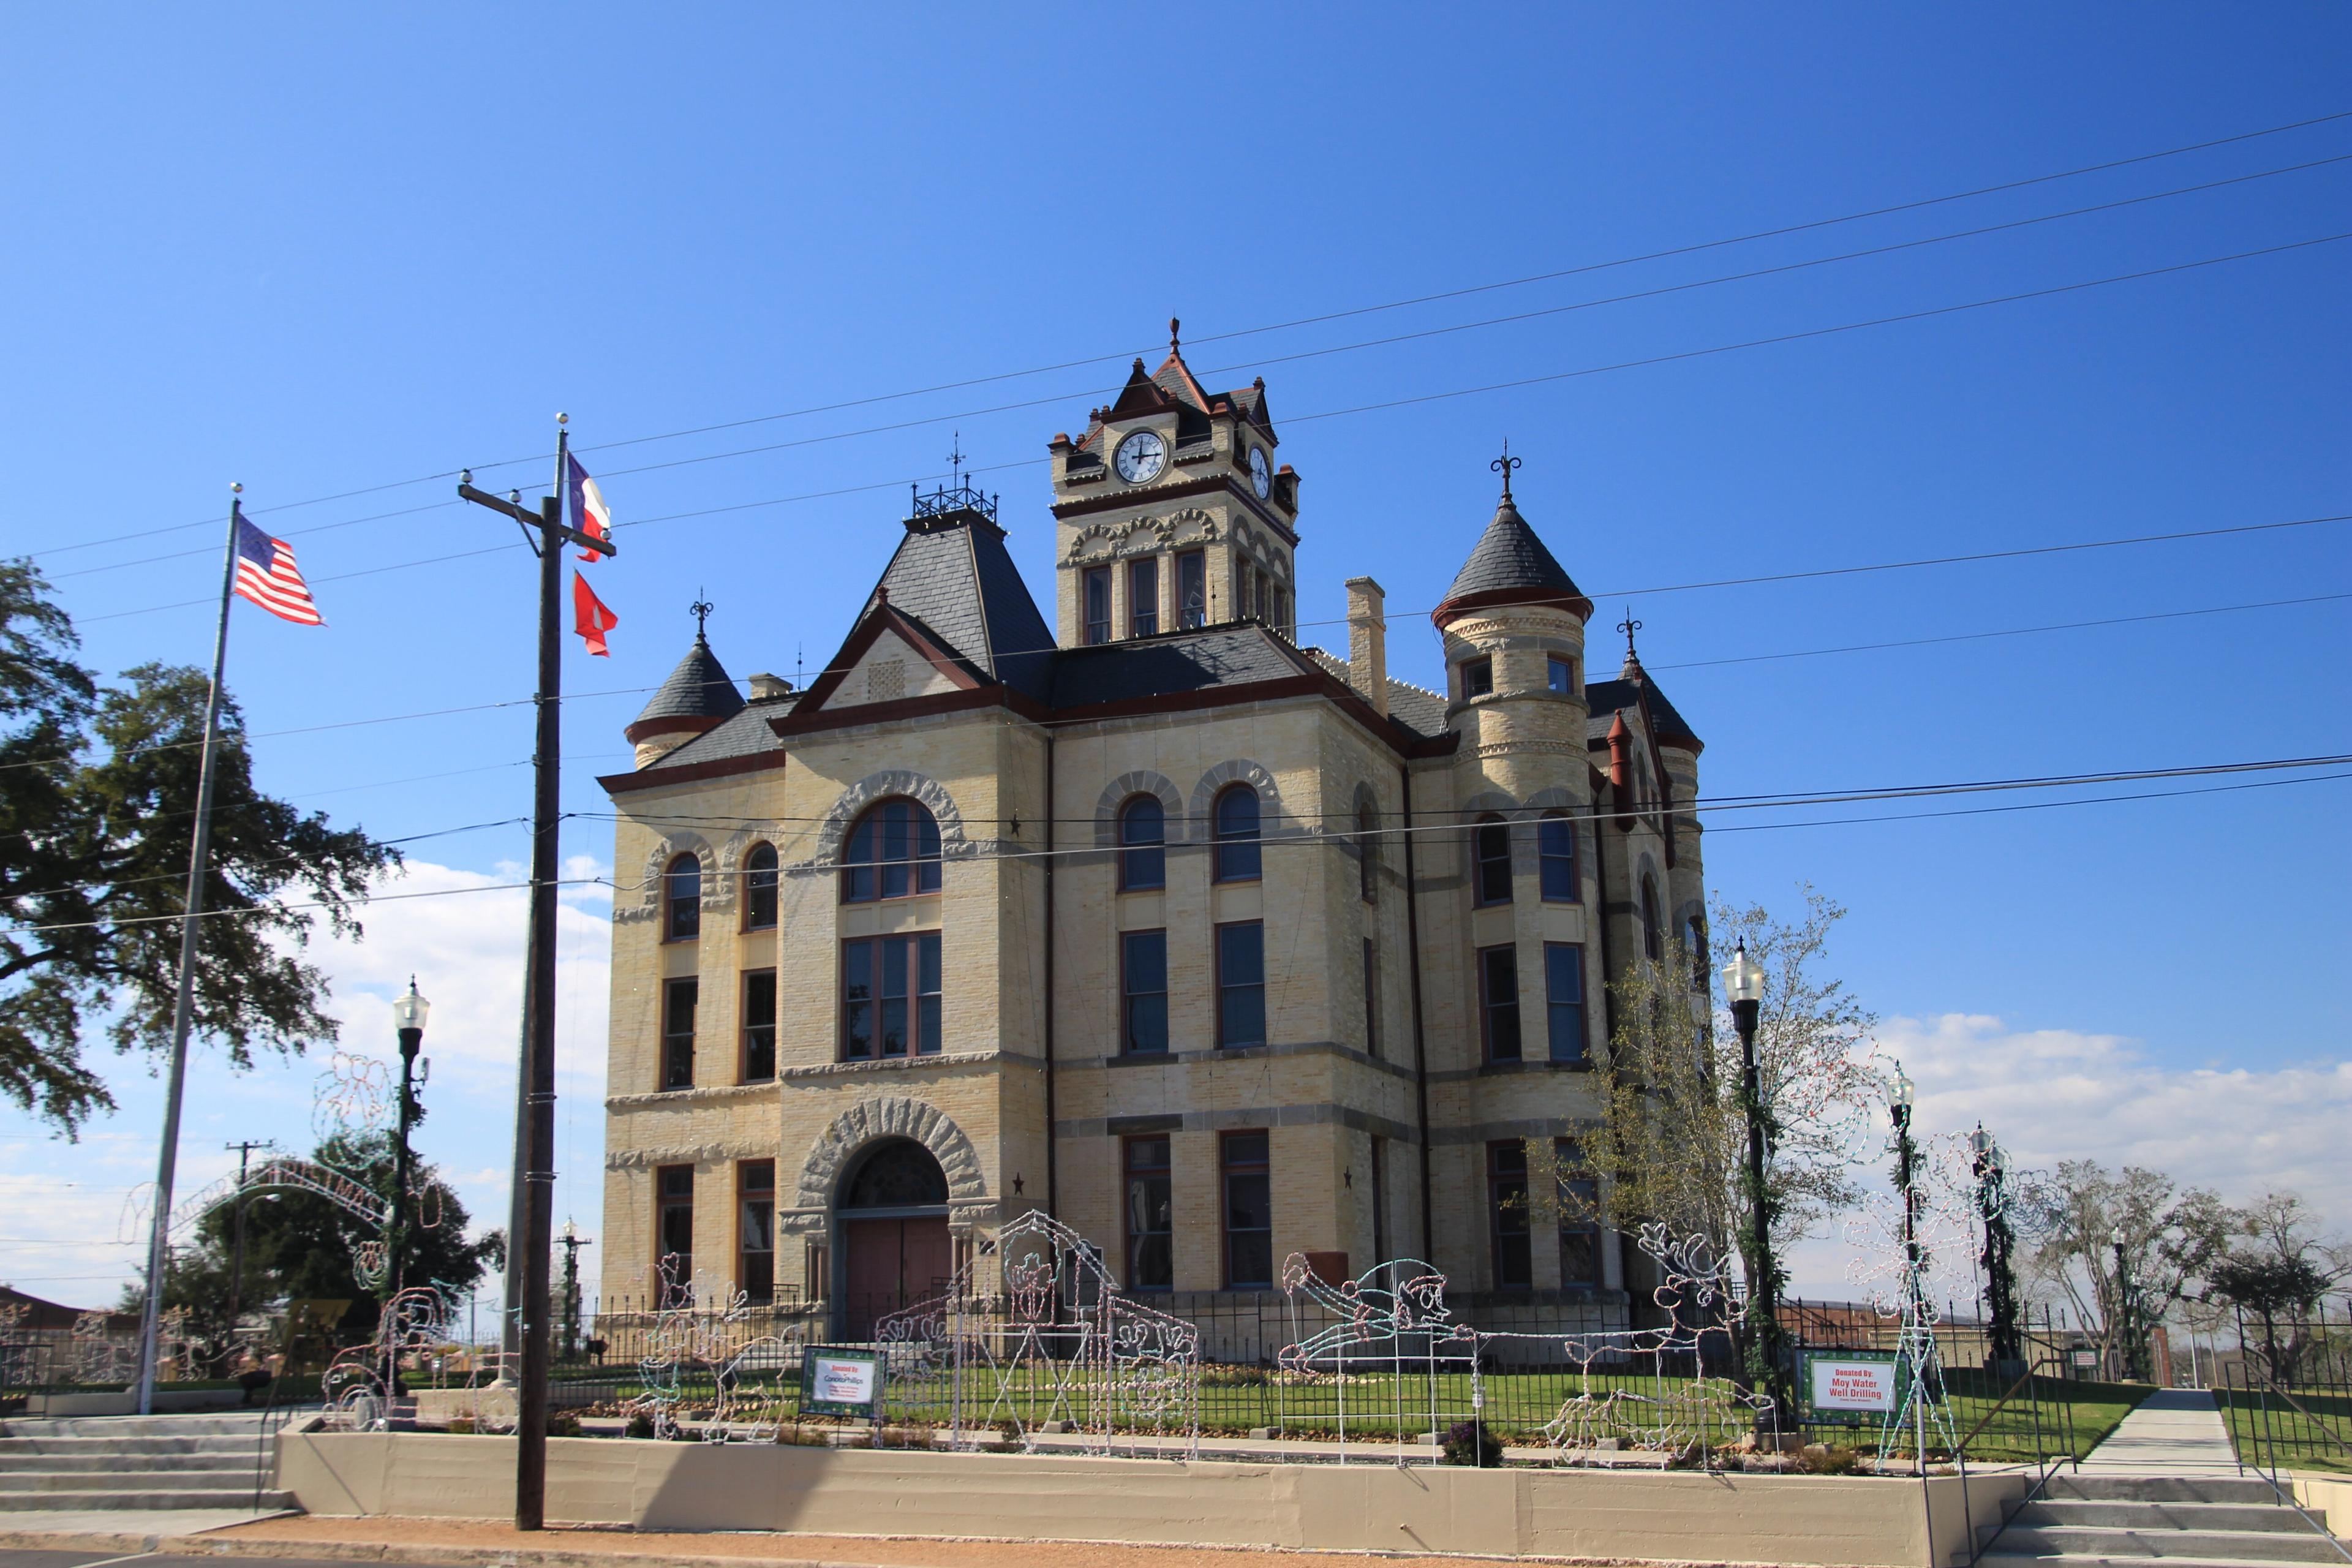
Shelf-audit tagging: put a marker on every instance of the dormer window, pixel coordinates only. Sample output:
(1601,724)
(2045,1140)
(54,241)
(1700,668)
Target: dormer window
(1477,678)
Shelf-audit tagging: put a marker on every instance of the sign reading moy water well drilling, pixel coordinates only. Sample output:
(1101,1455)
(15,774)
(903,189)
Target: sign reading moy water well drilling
(841,1382)
(1853,1381)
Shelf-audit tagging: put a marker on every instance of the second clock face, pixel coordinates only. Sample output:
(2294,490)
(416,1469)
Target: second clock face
(1261,479)
(1141,456)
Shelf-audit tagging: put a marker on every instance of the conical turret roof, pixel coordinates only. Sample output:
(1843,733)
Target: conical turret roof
(1509,565)
(698,695)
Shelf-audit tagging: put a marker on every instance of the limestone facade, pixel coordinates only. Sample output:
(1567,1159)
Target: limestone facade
(1382,1083)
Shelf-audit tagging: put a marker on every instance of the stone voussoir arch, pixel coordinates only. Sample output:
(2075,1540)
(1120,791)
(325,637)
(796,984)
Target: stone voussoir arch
(889,1116)
(851,804)
(1126,787)
(1241,770)
(666,848)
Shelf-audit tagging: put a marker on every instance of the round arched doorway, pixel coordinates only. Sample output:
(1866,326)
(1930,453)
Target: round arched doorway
(891,1214)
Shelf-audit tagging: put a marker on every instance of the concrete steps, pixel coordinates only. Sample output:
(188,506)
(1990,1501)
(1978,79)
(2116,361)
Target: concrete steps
(90,1464)
(2084,1520)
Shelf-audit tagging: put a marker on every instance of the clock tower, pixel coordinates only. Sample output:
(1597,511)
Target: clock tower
(1171,513)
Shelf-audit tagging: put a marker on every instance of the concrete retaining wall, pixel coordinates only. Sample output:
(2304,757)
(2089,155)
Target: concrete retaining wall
(1831,1521)
(168,1401)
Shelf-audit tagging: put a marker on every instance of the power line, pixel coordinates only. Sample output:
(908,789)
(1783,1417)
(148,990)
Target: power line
(114,884)
(1693,248)
(1417,399)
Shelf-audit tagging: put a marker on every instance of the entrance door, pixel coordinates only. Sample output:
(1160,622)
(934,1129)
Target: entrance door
(892,1263)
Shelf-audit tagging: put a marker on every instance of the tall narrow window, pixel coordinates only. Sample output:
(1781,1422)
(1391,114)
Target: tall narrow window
(1142,832)
(1579,1216)
(1241,589)
(1150,1208)
(1249,1211)
(1095,586)
(759,888)
(1379,1199)
(674,1233)
(1506,1207)
(1235,821)
(1493,845)
(1261,597)
(892,853)
(1368,851)
(891,997)
(1477,678)
(678,998)
(1193,589)
(1143,596)
(682,900)
(1499,1001)
(1143,980)
(1564,1000)
(1562,674)
(1282,610)
(755,1230)
(759,1026)
(1653,940)
(1241,984)
(1372,997)
(1556,857)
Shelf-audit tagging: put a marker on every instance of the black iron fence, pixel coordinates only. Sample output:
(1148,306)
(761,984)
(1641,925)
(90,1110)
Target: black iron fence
(2286,1394)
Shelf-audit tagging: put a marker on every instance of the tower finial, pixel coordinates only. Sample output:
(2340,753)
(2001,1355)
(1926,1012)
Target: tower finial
(701,609)
(1629,625)
(1505,464)
(1174,344)
(955,459)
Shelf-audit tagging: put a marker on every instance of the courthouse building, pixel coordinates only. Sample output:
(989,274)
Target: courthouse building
(1215,944)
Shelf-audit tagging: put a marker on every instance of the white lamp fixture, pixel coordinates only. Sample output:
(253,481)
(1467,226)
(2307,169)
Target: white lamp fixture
(1743,977)
(408,1013)
(1900,1094)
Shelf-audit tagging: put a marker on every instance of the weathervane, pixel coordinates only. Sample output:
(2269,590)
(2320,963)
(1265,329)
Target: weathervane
(955,459)
(1505,464)
(1629,625)
(1174,345)
(700,610)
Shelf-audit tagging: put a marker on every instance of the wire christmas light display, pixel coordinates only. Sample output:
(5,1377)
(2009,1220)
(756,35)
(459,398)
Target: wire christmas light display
(706,1330)
(1060,1344)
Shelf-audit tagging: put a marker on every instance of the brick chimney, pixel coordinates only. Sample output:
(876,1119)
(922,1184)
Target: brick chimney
(1368,642)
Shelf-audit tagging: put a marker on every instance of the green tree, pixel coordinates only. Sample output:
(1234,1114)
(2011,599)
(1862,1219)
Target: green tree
(303,1247)
(2122,1248)
(97,788)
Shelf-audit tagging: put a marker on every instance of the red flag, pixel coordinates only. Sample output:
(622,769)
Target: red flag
(590,619)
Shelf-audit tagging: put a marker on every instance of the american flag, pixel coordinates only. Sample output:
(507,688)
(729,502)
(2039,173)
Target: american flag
(265,574)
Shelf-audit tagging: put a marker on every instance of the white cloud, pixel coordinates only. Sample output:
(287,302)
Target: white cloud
(2059,1094)
(63,1236)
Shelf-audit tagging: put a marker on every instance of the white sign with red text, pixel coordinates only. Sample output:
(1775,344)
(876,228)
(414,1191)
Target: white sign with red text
(1840,1383)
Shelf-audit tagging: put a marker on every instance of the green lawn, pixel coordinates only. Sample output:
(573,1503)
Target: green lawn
(2272,1432)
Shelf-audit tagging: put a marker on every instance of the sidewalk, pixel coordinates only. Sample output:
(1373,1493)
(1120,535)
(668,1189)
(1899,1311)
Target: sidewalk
(466,1544)
(2176,1432)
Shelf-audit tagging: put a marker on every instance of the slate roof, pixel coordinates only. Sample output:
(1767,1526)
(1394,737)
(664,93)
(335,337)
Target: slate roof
(699,687)
(1607,697)
(1509,555)
(1419,711)
(1171,665)
(956,579)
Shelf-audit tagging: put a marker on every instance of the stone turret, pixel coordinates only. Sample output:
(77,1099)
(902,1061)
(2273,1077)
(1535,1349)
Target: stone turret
(698,697)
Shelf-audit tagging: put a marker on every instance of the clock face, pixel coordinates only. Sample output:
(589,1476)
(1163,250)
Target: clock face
(1261,478)
(1141,456)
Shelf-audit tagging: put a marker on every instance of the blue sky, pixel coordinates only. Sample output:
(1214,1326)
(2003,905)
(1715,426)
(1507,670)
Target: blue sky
(319,252)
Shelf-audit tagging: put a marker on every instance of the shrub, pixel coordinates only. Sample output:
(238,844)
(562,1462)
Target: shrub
(562,1424)
(641,1424)
(1472,1443)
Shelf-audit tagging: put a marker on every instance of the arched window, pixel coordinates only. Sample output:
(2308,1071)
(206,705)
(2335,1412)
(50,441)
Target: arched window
(759,888)
(894,853)
(895,1174)
(682,900)
(1653,940)
(1556,857)
(1142,829)
(1367,850)
(1236,823)
(1493,846)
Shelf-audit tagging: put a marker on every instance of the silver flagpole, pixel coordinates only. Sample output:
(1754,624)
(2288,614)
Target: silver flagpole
(182,1005)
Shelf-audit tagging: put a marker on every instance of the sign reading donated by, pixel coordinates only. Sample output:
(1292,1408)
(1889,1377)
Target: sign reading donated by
(1853,1382)
(841,1382)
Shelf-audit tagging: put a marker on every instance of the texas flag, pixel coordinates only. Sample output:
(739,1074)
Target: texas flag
(585,503)
(590,619)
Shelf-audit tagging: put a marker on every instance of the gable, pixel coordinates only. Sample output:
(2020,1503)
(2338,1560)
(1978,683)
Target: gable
(890,669)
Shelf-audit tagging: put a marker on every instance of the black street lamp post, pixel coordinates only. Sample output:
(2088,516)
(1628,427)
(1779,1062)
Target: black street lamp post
(2005,1342)
(2126,1313)
(1743,981)
(408,1018)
